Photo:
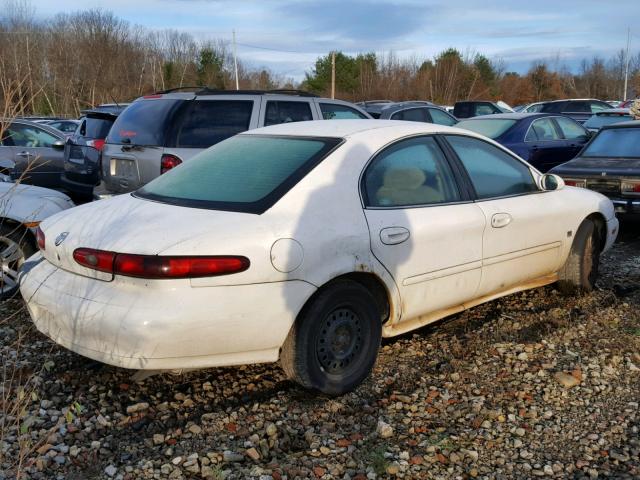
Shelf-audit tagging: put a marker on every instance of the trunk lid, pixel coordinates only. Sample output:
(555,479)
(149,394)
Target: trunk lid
(125,224)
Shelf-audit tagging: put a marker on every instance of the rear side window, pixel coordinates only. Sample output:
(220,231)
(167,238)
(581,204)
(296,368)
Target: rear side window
(578,107)
(208,122)
(411,172)
(615,143)
(246,173)
(493,172)
(441,118)
(411,115)
(571,129)
(335,111)
(144,122)
(485,109)
(542,130)
(286,112)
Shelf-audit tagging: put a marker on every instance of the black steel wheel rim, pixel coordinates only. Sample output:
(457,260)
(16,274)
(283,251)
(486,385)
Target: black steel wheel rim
(339,340)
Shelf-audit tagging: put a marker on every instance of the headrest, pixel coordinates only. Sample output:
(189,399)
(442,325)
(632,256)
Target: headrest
(404,178)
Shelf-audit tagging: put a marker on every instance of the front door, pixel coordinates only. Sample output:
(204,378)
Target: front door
(546,146)
(37,162)
(525,228)
(423,227)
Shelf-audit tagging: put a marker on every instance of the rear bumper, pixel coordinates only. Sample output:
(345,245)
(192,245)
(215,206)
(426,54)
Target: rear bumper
(79,188)
(161,324)
(625,206)
(613,226)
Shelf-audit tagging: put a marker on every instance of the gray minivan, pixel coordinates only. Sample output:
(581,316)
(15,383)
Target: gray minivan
(158,132)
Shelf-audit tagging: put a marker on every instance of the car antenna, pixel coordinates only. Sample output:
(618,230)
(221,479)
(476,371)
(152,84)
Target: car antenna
(114,100)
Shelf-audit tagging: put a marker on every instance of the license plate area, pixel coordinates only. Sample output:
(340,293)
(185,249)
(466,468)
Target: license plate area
(122,167)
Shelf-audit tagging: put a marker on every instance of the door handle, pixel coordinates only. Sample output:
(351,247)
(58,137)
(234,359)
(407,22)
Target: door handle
(23,154)
(394,235)
(500,220)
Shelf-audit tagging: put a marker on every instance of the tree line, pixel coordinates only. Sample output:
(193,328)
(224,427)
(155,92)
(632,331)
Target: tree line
(71,62)
(451,76)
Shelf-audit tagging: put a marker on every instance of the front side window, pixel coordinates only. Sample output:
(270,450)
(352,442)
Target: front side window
(571,129)
(336,111)
(286,112)
(441,118)
(542,130)
(411,115)
(410,173)
(493,172)
(208,122)
(615,143)
(598,107)
(578,107)
(245,173)
(30,136)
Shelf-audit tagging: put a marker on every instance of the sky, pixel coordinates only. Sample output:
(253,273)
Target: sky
(287,36)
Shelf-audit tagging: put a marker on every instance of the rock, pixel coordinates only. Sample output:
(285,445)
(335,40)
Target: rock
(111,470)
(253,454)
(95,445)
(271,430)
(158,439)
(523,356)
(232,457)
(393,469)
(195,429)
(177,461)
(384,430)
(137,407)
(566,380)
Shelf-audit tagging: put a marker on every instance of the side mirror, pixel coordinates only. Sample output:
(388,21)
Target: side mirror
(58,145)
(549,182)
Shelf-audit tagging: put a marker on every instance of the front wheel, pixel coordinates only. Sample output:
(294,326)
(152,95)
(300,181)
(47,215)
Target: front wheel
(15,248)
(580,271)
(334,343)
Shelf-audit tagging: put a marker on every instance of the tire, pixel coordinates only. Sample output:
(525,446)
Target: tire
(580,271)
(335,340)
(15,248)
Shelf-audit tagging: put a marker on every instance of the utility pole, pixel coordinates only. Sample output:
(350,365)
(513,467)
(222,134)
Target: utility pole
(626,68)
(235,59)
(333,74)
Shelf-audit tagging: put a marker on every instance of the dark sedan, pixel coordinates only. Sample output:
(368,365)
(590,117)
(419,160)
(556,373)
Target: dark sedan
(542,139)
(609,164)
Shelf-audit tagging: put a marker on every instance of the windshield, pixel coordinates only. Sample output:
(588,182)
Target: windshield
(144,122)
(615,143)
(489,127)
(597,121)
(246,173)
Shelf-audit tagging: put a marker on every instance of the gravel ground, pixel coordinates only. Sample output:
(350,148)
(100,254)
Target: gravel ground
(533,385)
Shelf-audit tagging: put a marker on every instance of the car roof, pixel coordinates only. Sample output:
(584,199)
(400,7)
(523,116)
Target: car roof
(511,116)
(350,128)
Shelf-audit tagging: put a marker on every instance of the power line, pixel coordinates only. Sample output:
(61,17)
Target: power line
(272,49)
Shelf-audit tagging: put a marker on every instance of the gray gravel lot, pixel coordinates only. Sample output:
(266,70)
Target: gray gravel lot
(533,385)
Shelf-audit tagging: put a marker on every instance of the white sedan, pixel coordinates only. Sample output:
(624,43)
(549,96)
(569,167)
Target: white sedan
(305,243)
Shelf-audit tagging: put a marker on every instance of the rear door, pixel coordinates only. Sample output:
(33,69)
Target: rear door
(525,226)
(37,161)
(338,111)
(547,148)
(575,135)
(423,226)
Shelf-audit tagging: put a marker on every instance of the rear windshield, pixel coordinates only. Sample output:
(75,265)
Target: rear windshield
(246,173)
(489,127)
(144,122)
(615,143)
(597,121)
(96,127)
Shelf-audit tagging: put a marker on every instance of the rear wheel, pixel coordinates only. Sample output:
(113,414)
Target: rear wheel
(15,248)
(580,271)
(334,343)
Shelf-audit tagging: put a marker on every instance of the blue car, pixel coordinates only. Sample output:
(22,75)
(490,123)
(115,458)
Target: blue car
(542,139)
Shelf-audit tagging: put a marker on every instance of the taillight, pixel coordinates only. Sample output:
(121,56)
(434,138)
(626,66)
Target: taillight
(159,267)
(40,238)
(97,143)
(94,259)
(167,162)
(630,187)
(575,182)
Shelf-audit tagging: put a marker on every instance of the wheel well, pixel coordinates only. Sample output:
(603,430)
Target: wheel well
(601,227)
(369,281)
(19,227)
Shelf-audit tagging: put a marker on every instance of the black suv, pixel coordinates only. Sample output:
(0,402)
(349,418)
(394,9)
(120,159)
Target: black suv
(579,109)
(83,152)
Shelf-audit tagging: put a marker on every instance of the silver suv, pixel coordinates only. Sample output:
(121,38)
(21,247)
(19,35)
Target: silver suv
(158,132)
